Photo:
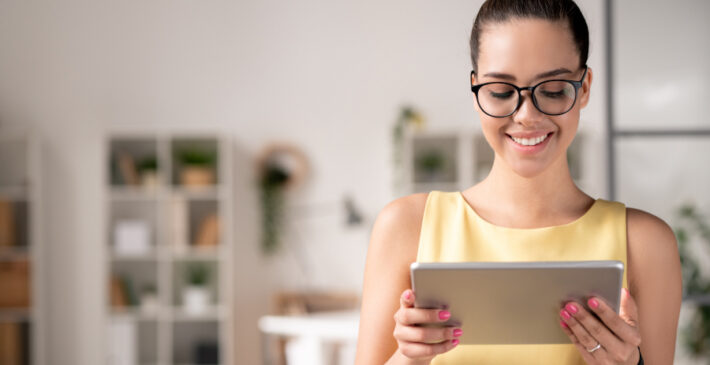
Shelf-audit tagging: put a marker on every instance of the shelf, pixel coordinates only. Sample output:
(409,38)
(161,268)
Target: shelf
(15,254)
(14,192)
(15,314)
(184,204)
(214,313)
(132,193)
(134,313)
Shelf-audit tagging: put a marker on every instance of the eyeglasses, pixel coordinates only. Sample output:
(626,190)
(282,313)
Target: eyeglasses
(551,97)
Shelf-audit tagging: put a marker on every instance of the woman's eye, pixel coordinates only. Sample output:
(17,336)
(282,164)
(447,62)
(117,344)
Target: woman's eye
(553,94)
(502,95)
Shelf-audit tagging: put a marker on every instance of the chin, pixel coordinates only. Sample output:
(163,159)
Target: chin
(528,170)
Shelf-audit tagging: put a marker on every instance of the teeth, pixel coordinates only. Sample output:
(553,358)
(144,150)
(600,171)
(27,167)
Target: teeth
(529,141)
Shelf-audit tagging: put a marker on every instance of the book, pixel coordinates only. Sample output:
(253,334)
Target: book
(208,233)
(128,170)
(11,344)
(7,224)
(15,284)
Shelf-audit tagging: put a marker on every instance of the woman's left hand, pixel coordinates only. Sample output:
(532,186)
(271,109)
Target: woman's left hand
(613,340)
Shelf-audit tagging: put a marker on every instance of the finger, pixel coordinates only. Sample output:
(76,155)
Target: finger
(588,358)
(426,334)
(585,339)
(596,330)
(627,309)
(413,316)
(406,300)
(421,350)
(614,322)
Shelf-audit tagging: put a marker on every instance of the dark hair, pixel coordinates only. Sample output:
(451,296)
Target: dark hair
(552,10)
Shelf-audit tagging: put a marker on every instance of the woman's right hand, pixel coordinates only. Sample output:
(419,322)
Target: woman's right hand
(422,343)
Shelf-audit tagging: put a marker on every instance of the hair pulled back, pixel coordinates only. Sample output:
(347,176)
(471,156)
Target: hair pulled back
(498,11)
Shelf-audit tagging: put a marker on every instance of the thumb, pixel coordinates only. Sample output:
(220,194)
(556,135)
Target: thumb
(628,311)
(406,300)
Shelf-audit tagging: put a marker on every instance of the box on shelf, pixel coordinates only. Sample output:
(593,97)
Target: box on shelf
(132,237)
(14,284)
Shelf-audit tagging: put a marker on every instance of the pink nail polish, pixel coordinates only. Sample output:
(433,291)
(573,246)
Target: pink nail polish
(593,303)
(454,342)
(565,315)
(407,294)
(458,332)
(443,315)
(571,307)
(563,324)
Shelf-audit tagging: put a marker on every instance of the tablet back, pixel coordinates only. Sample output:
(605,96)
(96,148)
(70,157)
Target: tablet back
(513,302)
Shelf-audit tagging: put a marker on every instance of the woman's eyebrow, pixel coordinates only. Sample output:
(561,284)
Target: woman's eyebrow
(505,76)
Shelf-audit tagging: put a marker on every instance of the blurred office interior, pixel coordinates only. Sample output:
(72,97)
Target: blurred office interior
(194,182)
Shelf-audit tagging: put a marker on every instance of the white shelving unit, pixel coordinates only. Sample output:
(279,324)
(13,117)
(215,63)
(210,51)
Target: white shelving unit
(453,160)
(22,315)
(160,218)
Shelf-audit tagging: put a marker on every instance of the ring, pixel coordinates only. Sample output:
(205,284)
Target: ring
(597,347)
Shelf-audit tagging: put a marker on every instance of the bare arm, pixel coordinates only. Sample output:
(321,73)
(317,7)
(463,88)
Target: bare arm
(655,283)
(388,331)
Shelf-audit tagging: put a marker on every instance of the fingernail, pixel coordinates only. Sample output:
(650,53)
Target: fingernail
(458,332)
(455,342)
(563,324)
(593,303)
(565,315)
(407,294)
(571,307)
(444,315)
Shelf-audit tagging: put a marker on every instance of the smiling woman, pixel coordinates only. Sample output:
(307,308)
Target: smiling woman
(530,80)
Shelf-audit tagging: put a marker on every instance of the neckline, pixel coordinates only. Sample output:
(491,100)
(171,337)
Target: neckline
(479,218)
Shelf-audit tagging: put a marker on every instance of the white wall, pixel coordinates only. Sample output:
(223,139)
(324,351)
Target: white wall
(327,75)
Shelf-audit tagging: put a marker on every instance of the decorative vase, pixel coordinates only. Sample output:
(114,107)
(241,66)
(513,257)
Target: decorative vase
(197,176)
(195,299)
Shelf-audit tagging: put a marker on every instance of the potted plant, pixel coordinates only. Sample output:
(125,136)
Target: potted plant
(148,170)
(195,294)
(149,299)
(197,167)
(431,164)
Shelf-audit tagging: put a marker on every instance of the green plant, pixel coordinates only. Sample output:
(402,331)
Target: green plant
(408,116)
(272,183)
(431,161)
(197,157)
(148,164)
(693,224)
(197,274)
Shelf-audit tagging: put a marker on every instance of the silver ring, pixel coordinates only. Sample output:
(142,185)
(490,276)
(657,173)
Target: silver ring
(597,347)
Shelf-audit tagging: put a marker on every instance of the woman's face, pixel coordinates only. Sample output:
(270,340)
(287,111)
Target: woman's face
(525,52)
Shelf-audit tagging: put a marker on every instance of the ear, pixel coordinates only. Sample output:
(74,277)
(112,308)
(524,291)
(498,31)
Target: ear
(586,88)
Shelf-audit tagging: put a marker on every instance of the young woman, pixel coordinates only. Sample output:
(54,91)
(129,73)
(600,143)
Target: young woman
(530,82)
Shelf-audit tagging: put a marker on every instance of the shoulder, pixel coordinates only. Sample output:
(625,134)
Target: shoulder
(652,246)
(400,220)
(646,229)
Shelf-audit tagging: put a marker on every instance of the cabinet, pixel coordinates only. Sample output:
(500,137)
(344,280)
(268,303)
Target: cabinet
(21,311)
(170,249)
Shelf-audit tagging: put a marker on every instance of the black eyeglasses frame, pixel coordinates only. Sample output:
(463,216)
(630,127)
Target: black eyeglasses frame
(577,85)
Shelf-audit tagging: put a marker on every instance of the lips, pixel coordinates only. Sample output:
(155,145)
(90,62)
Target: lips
(529,139)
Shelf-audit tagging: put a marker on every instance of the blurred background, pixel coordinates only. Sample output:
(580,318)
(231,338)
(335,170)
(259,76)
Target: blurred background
(194,182)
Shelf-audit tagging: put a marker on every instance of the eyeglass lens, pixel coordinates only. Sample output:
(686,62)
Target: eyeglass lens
(551,97)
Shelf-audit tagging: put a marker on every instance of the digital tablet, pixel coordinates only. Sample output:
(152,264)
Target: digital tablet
(513,302)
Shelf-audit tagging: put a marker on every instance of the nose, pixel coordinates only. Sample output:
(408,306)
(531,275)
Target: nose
(527,114)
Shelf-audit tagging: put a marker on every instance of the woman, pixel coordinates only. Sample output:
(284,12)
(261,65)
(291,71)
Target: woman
(527,209)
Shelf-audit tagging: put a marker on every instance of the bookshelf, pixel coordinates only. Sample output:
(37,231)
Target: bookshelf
(21,311)
(170,249)
(453,160)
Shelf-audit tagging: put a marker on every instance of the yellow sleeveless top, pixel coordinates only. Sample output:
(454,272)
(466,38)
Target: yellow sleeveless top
(453,232)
